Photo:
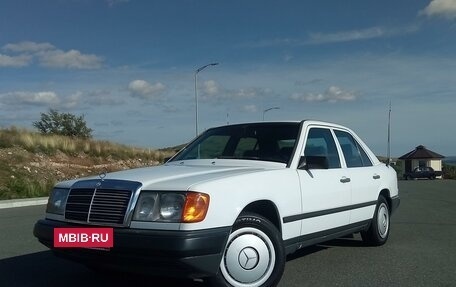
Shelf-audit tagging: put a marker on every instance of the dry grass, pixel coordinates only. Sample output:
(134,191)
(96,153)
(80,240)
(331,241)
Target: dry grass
(30,163)
(50,144)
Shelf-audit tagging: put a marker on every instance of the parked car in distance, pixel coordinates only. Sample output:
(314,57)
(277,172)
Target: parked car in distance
(422,172)
(230,205)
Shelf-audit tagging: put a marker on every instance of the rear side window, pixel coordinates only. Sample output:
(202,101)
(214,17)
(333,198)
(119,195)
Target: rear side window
(354,155)
(320,142)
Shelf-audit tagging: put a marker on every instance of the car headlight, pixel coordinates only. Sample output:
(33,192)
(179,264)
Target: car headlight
(146,207)
(171,207)
(57,201)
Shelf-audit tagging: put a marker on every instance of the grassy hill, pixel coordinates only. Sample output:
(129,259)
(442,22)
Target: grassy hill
(31,163)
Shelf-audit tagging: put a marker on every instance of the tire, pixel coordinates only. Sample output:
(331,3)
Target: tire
(254,255)
(379,229)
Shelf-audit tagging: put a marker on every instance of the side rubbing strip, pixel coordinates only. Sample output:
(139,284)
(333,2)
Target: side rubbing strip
(297,217)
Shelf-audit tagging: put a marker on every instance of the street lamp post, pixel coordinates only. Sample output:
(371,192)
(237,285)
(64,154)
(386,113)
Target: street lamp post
(267,110)
(196,92)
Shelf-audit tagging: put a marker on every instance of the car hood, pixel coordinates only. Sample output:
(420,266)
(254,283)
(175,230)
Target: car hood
(183,175)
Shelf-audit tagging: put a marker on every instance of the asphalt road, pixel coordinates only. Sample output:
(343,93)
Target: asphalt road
(421,251)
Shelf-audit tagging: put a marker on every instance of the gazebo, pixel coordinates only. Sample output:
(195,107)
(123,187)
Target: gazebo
(421,157)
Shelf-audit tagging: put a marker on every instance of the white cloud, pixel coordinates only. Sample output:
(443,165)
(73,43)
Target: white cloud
(441,8)
(30,98)
(211,90)
(28,47)
(47,55)
(347,36)
(250,108)
(144,90)
(332,95)
(336,37)
(14,61)
(272,43)
(72,101)
(247,93)
(72,59)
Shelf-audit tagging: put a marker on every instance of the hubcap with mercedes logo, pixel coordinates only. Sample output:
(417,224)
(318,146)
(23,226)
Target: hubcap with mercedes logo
(248,258)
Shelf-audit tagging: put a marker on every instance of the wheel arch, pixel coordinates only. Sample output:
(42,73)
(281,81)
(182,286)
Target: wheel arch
(386,194)
(267,209)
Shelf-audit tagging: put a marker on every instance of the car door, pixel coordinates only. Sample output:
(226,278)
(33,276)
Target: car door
(365,178)
(325,190)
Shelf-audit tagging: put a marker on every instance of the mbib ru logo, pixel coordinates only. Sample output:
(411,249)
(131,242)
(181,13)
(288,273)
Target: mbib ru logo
(84,237)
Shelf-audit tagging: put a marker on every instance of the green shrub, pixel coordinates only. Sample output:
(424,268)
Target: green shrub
(26,188)
(449,171)
(64,124)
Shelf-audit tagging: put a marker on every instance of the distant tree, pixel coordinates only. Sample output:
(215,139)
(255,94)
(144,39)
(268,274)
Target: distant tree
(65,124)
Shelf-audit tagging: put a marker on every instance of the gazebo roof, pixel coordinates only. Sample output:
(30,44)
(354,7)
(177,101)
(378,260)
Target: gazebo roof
(421,152)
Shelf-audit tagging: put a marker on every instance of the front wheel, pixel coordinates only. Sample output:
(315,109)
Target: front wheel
(378,232)
(254,255)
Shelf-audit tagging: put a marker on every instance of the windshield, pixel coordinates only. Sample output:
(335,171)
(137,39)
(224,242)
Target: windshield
(259,141)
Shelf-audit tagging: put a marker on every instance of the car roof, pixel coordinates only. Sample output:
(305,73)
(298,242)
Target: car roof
(307,122)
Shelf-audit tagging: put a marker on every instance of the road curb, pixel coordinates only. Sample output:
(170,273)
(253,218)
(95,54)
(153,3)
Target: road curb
(11,203)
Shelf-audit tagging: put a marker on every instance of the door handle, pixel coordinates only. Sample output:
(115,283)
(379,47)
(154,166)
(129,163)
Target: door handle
(376,176)
(345,179)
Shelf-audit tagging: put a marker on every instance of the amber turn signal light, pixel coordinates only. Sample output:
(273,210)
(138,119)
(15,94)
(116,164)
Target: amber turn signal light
(196,206)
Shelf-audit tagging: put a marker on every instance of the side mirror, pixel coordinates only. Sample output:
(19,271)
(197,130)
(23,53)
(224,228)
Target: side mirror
(313,162)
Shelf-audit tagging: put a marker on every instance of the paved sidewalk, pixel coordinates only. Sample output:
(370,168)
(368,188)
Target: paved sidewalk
(10,203)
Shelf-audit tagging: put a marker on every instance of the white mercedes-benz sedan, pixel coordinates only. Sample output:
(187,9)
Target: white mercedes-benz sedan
(229,206)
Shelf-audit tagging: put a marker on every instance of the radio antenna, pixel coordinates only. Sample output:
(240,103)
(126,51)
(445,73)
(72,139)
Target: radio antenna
(389,136)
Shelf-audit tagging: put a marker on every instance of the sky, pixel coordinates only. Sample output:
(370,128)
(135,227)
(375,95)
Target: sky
(128,66)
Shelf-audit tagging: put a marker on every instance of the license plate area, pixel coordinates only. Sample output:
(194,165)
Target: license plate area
(101,238)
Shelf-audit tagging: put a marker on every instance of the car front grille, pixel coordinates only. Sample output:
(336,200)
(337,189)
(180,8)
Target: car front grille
(97,206)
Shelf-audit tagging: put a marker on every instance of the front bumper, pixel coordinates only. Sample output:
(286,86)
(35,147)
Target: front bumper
(178,253)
